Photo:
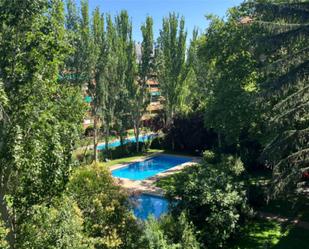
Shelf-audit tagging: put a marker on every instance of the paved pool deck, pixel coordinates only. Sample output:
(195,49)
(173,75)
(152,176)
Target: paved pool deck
(147,186)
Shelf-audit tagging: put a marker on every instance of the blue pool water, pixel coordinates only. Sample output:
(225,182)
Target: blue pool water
(149,205)
(150,167)
(116,143)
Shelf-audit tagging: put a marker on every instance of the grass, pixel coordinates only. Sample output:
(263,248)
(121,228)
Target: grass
(296,238)
(258,234)
(129,159)
(262,234)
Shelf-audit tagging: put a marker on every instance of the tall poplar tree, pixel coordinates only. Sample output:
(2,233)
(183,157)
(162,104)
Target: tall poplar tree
(137,86)
(86,38)
(107,79)
(171,62)
(97,38)
(72,24)
(126,72)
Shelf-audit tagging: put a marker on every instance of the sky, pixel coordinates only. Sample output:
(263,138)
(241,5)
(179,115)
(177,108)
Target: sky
(194,11)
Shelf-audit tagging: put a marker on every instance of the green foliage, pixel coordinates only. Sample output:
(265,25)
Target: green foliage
(170,60)
(188,238)
(230,81)
(192,98)
(283,45)
(170,233)
(155,236)
(213,198)
(115,74)
(3,234)
(137,88)
(209,156)
(188,134)
(42,117)
(58,225)
(41,108)
(44,144)
(107,218)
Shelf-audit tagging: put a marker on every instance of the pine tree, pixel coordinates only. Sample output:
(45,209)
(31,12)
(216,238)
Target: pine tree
(284,50)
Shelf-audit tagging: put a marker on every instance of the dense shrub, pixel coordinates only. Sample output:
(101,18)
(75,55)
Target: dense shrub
(170,233)
(89,131)
(113,153)
(250,150)
(155,123)
(159,142)
(187,133)
(210,156)
(213,197)
(106,209)
(256,196)
(122,151)
(56,225)
(3,233)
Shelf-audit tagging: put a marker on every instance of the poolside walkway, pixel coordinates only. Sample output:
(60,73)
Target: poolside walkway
(148,185)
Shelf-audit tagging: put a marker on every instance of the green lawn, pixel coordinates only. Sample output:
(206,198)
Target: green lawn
(129,159)
(262,234)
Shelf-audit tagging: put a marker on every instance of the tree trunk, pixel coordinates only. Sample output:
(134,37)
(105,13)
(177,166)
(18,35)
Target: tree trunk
(136,133)
(95,152)
(169,116)
(121,137)
(106,136)
(219,142)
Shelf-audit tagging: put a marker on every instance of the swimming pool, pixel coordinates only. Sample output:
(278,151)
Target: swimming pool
(116,143)
(146,205)
(150,167)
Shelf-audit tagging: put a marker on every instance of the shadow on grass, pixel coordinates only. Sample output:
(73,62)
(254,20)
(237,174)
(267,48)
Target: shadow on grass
(296,238)
(263,234)
(294,207)
(258,234)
